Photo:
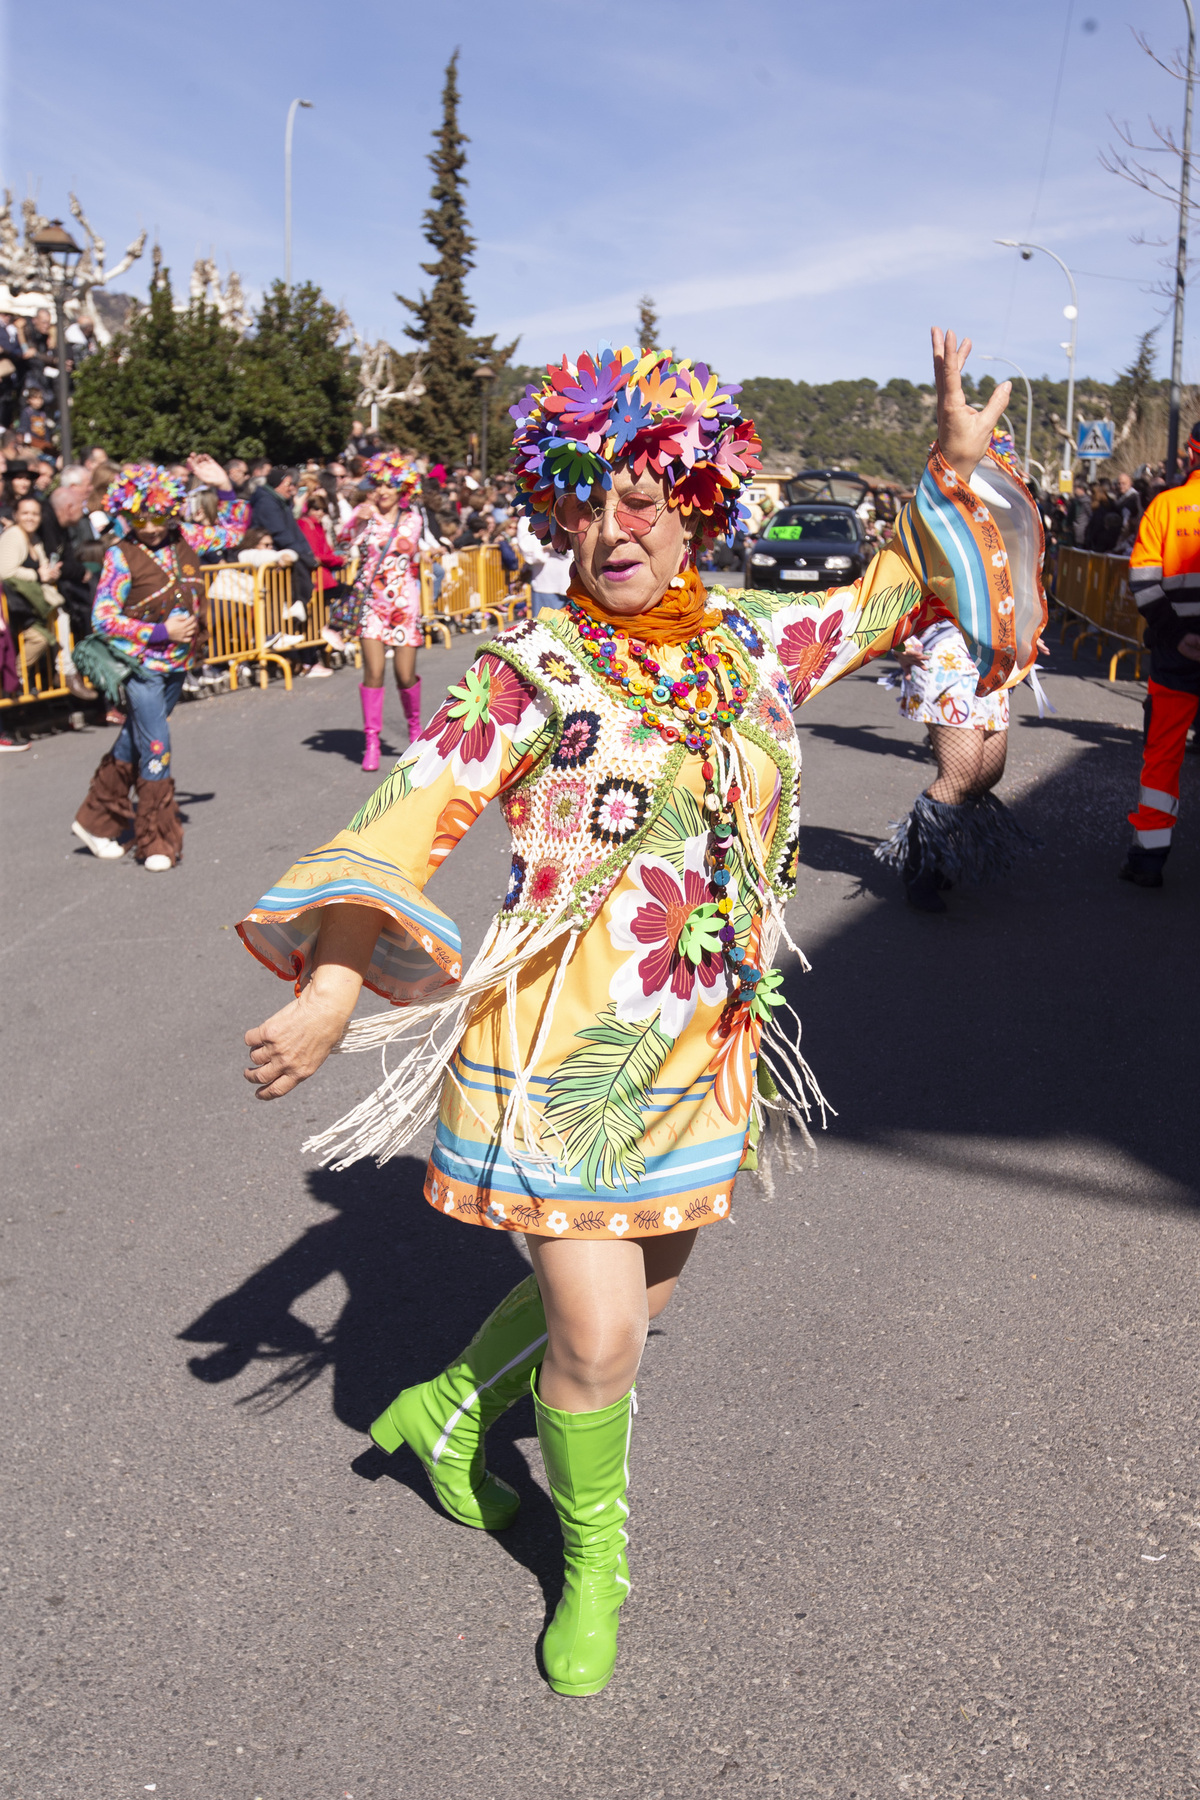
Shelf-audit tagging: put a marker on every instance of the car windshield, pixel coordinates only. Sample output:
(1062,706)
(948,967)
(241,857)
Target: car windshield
(806,522)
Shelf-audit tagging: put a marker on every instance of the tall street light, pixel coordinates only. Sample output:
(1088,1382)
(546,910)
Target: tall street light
(484,375)
(60,250)
(287,191)
(1069,312)
(1010,364)
(1181,255)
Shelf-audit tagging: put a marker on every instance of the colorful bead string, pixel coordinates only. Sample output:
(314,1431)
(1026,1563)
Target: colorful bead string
(697,698)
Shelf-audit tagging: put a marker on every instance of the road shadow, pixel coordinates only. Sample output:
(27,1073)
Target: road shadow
(879,740)
(1038,1010)
(417,1288)
(337,740)
(847,853)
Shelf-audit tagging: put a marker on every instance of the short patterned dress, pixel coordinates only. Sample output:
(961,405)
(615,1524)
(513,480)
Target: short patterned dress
(943,692)
(389,576)
(590,1072)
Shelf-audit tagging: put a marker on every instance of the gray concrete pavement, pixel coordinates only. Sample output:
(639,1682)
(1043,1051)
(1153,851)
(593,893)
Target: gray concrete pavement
(916,1508)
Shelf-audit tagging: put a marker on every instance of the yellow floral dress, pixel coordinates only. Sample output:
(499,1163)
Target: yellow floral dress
(589,1074)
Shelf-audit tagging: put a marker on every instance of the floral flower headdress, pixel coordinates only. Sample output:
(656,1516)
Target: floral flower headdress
(142,489)
(390,469)
(644,409)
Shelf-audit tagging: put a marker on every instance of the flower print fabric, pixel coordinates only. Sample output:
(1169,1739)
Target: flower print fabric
(639,1082)
(943,692)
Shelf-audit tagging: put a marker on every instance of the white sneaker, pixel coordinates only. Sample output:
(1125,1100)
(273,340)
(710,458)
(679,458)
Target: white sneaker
(317,670)
(157,864)
(299,612)
(106,848)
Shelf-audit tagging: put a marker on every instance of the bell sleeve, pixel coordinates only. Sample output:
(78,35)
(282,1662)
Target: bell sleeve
(231,525)
(976,549)
(490,732)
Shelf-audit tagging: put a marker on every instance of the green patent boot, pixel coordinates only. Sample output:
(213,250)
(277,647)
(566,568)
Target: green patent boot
(444,1420)
(587,1464)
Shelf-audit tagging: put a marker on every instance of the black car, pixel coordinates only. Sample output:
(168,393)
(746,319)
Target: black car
(815,545)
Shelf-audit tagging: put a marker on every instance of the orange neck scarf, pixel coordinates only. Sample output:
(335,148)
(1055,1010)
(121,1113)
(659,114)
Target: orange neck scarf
(679,616)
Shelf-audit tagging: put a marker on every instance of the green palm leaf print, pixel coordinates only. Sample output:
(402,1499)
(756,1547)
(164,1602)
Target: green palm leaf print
(397,787)
(883,609)
(596,1101)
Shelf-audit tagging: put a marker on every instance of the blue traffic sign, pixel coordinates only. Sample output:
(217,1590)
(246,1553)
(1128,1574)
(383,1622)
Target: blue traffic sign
(1094,439)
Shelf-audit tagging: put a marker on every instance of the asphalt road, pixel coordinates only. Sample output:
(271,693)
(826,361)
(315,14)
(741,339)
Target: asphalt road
(915,1492)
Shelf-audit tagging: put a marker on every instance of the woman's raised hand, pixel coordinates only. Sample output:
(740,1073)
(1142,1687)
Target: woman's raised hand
(208,470)
(963,433)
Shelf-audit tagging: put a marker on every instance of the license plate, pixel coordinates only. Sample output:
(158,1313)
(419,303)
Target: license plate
(801,574)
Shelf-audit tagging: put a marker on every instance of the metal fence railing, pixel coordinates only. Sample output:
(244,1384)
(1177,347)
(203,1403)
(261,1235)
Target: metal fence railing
(251,622)
(1093,591)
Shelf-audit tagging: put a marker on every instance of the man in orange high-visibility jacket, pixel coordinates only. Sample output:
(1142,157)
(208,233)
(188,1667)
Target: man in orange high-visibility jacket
(1164,579)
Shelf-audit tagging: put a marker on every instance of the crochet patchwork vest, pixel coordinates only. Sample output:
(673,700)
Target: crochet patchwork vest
(581,816)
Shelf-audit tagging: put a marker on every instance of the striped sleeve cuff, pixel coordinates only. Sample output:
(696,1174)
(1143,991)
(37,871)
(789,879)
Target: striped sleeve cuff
(418,951)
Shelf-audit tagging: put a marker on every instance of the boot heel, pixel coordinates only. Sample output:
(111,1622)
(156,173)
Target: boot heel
(385,1434)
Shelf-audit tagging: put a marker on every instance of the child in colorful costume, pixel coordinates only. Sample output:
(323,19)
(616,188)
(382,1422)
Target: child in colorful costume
(385,603)
(150,600)
(604,1066)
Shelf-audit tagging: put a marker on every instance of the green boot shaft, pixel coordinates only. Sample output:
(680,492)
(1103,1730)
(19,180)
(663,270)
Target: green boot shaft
(444,1420)
(587,1465)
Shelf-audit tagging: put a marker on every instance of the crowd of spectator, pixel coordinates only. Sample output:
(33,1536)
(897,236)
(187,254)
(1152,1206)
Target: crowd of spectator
(54,530)
(29,374)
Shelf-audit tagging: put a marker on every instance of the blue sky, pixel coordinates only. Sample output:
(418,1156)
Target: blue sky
(804,188)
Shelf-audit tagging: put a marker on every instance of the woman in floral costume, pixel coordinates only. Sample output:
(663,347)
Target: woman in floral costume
(603,1068)
(386,598)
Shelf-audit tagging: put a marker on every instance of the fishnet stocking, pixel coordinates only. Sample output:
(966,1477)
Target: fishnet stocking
(969,762)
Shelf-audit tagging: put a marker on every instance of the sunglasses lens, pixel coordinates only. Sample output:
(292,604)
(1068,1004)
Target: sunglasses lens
(637,516)
(572,514)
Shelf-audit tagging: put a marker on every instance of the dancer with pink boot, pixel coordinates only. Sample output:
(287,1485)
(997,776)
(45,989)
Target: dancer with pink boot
(386,532)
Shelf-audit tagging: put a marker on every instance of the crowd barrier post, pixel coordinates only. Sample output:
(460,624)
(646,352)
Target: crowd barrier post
(40,675)
(1092,588)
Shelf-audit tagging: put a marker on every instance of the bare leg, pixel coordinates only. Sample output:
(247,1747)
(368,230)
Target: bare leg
(959,752)
(406,666)
(374,662)
(599,1299)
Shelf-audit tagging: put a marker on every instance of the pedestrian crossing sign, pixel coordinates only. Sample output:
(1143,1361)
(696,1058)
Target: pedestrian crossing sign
(1094,440)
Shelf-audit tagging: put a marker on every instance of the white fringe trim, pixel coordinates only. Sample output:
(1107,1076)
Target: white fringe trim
(406,1100)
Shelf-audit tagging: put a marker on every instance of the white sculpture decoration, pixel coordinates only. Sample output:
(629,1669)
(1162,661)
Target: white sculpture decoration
(376,378)
(26,281)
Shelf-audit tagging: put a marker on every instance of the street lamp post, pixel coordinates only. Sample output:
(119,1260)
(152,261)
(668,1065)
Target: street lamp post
(484,375)
(287,191)
(1010,364)
(1072,313)
(1181,255)
(61,251)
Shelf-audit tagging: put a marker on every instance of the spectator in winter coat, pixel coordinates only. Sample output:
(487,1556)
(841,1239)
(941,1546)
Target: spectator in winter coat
(271,510)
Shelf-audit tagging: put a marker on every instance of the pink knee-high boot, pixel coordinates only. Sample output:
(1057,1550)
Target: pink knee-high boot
(410,699)
(372,711)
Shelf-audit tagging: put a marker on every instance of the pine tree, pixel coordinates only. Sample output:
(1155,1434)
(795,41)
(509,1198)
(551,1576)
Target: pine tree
(441,423)
(647,323)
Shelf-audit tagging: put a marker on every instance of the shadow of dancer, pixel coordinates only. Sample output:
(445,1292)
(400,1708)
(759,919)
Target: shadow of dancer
(334,741)
(417,1288)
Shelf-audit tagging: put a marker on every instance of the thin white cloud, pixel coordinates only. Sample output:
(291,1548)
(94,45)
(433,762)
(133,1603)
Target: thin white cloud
(830,268)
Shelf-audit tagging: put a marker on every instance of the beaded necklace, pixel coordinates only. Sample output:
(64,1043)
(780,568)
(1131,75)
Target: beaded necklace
(691,709)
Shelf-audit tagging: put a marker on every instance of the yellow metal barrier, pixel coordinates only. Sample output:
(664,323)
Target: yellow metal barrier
(40,672)
(241,600)
(474,590)
(1093,591)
